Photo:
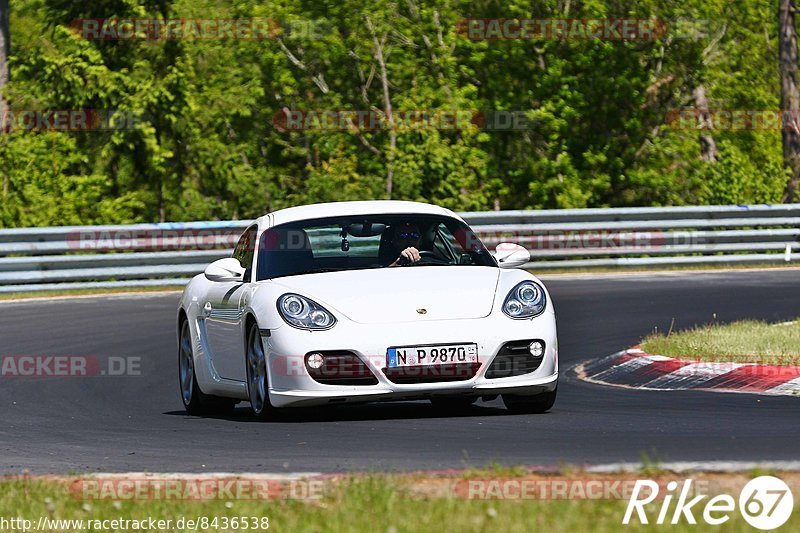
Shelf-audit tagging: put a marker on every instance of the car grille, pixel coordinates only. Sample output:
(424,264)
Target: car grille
(432,373)
(514,359)
(342,368)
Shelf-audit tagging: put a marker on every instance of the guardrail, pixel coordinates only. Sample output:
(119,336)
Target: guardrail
(140,255)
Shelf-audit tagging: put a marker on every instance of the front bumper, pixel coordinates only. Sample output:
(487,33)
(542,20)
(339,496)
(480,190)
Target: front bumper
(291,385)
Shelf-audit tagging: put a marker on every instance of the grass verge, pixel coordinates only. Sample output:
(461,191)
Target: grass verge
(747,341)
(376,503)
(85,292)
(663,269)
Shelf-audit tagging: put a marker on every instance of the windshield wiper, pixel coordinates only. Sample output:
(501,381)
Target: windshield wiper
(314,271)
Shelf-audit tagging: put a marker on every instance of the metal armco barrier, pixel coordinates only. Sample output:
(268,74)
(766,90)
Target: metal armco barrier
(142,255)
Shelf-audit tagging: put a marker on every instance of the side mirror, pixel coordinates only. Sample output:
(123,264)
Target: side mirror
(509,255)
(227,269)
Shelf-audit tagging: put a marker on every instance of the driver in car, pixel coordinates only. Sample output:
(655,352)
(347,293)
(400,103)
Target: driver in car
(406,240)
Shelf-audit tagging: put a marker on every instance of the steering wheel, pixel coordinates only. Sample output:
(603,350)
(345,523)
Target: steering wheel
(428,257)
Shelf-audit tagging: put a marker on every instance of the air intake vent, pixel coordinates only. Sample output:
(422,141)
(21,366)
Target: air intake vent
(432,373)
(338,368)
(514,359)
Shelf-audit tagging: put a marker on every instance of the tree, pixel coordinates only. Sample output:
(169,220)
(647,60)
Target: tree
(208,141)
(5,50)
(790,98)
(708,148)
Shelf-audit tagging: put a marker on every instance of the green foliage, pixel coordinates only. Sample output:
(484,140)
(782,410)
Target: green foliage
(207,143)
(739,178)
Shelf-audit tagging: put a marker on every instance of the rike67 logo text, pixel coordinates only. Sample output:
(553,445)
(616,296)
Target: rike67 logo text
(765,503)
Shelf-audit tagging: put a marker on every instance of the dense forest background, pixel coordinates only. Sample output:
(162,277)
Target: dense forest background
(207,144)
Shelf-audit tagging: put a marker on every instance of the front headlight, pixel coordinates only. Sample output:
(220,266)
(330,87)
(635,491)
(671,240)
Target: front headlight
(304,313)
(526,300)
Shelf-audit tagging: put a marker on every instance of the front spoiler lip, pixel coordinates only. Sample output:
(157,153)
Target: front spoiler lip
(377,393)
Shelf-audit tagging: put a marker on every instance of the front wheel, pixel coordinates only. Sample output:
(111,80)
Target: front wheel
(257,381)
(538,403)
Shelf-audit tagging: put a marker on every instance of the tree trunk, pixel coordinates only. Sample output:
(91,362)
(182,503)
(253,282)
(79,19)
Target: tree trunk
(790,98)
(708,148)
(162,210)
(5,50)
(387,109)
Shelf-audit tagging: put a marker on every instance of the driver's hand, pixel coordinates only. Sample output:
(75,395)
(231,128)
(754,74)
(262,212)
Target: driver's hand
(409,255)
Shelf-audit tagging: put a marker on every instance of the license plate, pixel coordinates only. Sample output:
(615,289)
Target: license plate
(441,354)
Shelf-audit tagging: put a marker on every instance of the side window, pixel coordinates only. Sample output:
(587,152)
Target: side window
(245,250)
(445,244)
(451,246)
(439,246)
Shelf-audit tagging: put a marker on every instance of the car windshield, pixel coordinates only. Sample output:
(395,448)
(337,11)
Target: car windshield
(361,242)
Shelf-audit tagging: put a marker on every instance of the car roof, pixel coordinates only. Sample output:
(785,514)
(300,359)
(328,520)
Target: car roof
(369,207)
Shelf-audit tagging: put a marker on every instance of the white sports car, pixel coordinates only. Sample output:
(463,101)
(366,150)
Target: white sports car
(366,301)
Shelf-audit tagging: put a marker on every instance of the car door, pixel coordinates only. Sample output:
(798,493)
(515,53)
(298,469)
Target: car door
(224,317)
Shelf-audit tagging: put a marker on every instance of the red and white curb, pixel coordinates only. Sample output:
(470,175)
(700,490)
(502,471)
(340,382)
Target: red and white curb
(636,369)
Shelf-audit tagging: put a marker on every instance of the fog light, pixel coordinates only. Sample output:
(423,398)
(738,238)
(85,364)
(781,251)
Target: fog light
(315,361)
(536,348)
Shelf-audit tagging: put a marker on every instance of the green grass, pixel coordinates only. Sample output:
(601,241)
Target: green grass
(655,269)
(376,503)
(748,341)
(84,292)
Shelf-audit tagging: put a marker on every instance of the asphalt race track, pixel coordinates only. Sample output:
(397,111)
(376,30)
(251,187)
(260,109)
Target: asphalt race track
(136,423)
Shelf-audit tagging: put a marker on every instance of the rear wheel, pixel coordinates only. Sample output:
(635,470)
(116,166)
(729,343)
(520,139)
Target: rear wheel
(257,381)
(195,401)
(538,403)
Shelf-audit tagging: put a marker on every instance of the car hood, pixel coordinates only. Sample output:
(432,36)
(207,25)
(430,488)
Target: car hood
(401,294)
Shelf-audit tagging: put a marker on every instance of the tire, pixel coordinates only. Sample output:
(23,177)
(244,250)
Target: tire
(257,377)
(453,403)
(195,401)
(539,403)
